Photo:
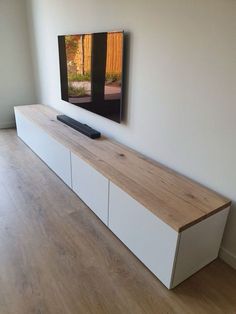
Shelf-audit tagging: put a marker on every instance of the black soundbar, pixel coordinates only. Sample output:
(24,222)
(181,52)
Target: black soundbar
(82,128)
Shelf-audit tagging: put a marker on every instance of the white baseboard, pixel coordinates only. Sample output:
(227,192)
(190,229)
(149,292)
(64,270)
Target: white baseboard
(228,257)
(8,125)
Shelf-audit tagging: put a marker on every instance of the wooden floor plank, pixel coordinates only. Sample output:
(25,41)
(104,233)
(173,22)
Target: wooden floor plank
(57,257)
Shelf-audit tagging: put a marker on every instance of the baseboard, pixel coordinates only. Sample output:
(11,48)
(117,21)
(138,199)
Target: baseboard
(8,125)
(228,257)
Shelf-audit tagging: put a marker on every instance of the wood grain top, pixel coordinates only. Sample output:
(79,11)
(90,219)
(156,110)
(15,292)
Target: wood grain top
(175,199)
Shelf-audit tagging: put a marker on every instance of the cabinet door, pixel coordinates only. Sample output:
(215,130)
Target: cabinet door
(55,155)
(91,186)
(151,240)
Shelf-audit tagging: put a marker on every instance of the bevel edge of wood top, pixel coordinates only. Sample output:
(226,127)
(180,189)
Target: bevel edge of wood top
(179,227)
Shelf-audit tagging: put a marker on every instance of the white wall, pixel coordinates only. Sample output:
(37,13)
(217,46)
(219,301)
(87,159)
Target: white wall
(181,83)
(16,79)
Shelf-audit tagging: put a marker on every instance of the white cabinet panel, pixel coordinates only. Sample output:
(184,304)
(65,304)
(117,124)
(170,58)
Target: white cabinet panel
(55,155)
(151,240)
(91,186)
(199,245)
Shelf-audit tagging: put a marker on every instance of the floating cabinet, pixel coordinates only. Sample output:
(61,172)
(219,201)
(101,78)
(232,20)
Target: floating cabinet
(54,154)
(91,186)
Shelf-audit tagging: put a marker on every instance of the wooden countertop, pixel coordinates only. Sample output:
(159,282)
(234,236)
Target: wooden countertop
(175,199)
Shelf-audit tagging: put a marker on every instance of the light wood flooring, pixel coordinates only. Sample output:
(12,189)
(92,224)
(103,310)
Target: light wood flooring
(57,257)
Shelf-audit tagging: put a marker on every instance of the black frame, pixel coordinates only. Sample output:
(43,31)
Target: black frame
(111,109)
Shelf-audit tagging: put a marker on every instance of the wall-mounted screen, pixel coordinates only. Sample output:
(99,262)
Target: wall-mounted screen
(91,69)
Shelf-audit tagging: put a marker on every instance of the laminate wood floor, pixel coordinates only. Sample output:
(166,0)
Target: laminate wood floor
(57,257)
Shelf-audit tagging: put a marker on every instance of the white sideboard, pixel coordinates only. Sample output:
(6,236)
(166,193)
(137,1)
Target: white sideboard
(172,224)
(91,186)
(54,154)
